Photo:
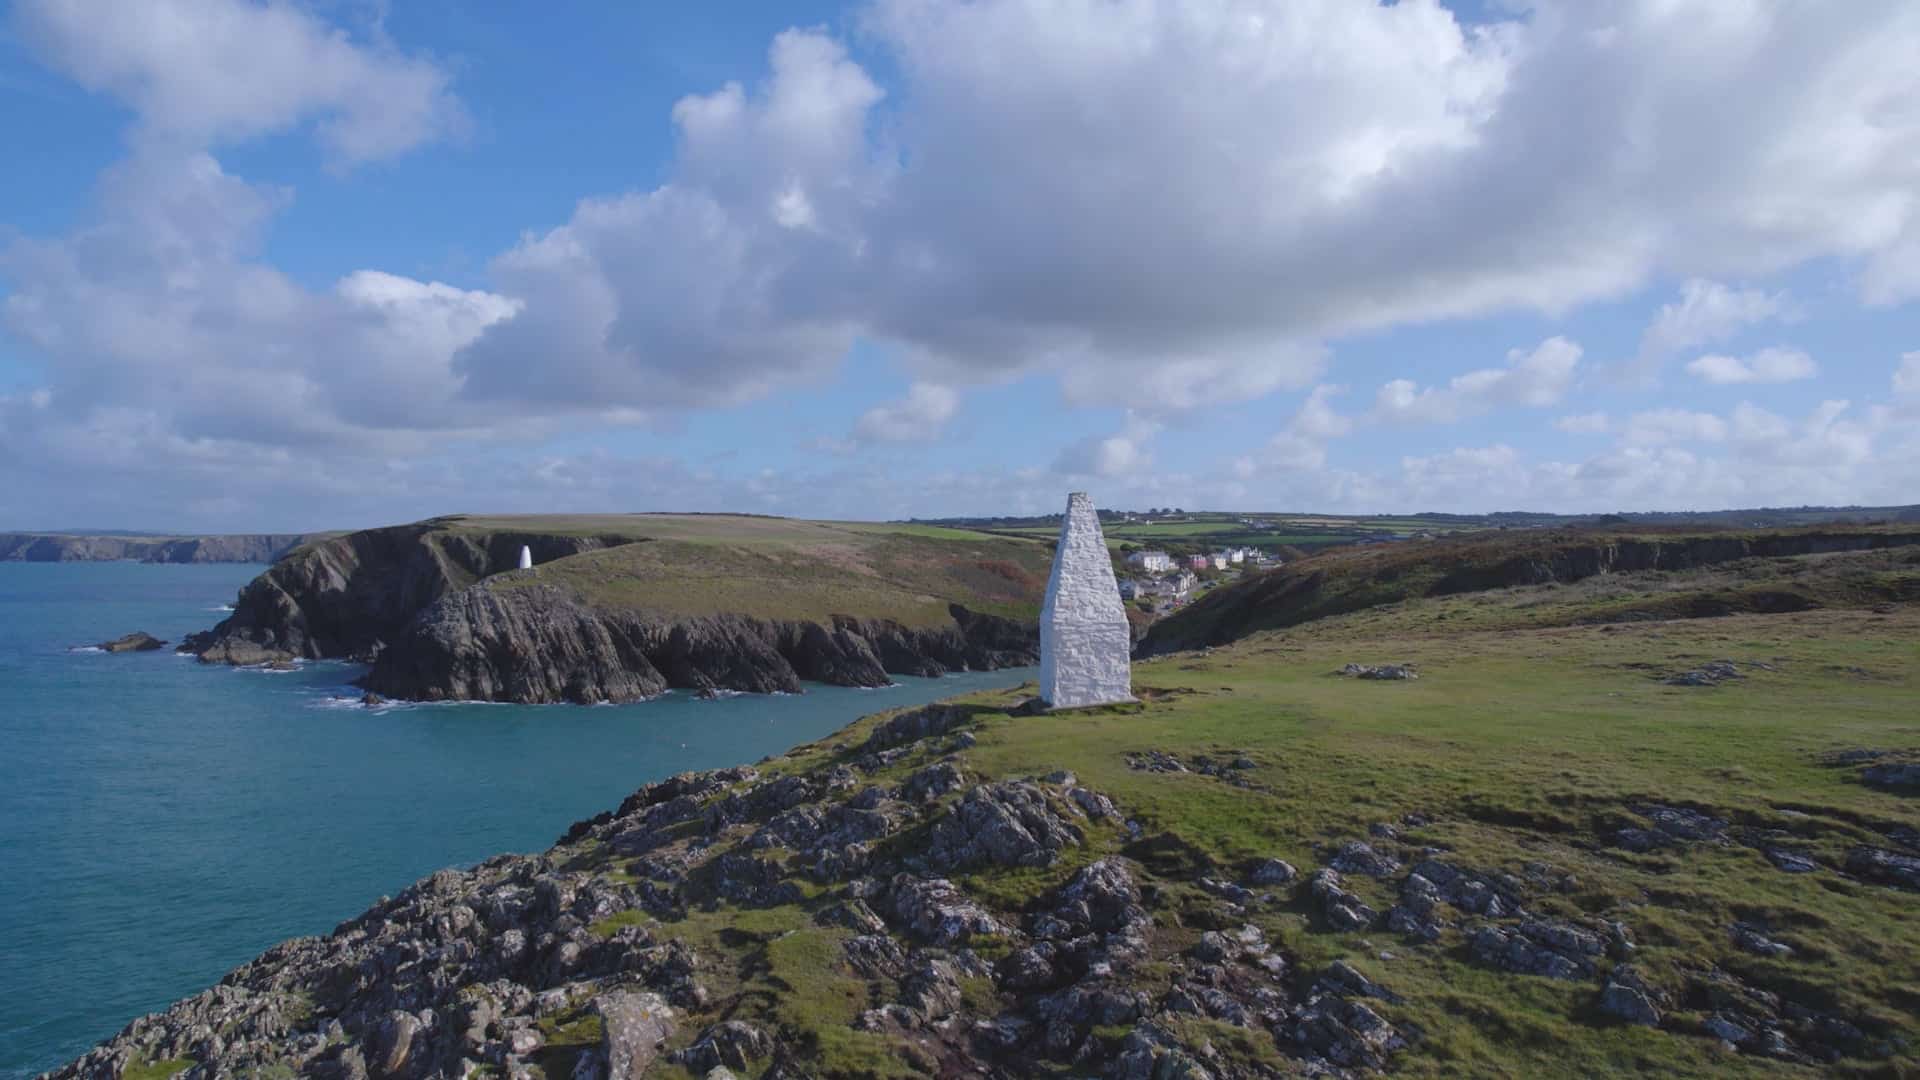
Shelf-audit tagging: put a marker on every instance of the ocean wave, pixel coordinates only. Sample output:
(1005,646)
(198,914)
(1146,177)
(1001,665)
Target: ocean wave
(221,607)
(86,649)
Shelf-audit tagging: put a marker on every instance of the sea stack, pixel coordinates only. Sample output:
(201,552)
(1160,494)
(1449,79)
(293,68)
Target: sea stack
(1084,640)
(526,557)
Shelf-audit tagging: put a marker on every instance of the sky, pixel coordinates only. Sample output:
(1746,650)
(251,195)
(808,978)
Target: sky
(279,265)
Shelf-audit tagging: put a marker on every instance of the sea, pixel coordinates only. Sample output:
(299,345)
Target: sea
(163,821)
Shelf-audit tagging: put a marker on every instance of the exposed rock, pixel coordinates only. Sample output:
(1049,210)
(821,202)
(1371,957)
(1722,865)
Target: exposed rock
(932,782)
(1893,775)
(138,641)
(730,1044)
(1357,857)
(1380,671)
(915,724)
(1712,673)
(1754,939)
(1885,867)
(1272,872)
(636,1026)
(1343,910)
(936,912)
(1538,947)
(1006,824)
(1791,862)
(1631,998)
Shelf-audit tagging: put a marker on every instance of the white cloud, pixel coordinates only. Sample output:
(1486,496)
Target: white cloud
(1672,425)
(1126,451)
(919,417)
(1776,364)
(1707,312)
(1906,378)
(1593,423)
(214,70)
(1164,205)
(1533,379)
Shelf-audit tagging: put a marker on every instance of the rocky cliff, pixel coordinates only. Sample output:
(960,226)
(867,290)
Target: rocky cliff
(444,613)
(345,597)
(540,644)
(239,548)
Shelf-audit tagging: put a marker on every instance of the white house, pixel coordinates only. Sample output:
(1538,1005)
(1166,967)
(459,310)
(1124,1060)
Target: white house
(1153,562)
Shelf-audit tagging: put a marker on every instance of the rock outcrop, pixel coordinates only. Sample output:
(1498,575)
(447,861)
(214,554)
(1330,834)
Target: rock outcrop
(347,596)
(138,641)
(543,643)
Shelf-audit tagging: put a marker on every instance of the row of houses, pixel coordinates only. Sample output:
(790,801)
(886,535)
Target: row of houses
(1176,587)
(1159,562)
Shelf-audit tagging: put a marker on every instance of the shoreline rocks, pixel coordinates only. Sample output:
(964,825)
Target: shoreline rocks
(138,641)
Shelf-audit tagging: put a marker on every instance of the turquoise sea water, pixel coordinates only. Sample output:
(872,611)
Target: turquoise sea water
(162,821)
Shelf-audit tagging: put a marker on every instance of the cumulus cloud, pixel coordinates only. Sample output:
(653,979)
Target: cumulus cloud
(1776,364)
(160,322)
(1163,205)
(1906,378)
(1534,379)
(211,70)
(918,417)
(1593,423)
(1708,312)
(1657,426)
(1127,451)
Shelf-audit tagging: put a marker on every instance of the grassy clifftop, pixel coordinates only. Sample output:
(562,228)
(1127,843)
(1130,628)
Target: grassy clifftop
(781,568)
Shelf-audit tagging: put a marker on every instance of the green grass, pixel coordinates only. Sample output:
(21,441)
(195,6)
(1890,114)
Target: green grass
(156,1070)
(808,571)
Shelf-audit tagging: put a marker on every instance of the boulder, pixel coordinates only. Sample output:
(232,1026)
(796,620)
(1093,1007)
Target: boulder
(730,1044)
(636,1026)
(1893,775)
(138,641)
(1631,998)
(1007,824)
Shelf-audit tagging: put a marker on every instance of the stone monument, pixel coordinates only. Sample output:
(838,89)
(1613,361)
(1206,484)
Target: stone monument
(1085,645)
(526,557)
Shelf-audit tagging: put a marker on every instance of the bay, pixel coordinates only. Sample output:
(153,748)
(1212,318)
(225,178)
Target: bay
(162,821)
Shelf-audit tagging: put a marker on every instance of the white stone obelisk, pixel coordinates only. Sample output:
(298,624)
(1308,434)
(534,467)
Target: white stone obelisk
(526,557)
(1084,642)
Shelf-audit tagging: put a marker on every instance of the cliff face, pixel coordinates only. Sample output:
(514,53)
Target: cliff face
(240,548)
(347,596)
(1340,582)
(540,644)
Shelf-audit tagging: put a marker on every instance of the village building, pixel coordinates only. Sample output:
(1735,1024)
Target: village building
(1153,562)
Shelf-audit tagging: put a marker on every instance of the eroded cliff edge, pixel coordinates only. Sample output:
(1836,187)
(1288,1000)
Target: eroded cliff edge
(439,612)
(543,644)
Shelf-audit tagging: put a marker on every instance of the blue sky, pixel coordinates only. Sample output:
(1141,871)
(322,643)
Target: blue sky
(307,265)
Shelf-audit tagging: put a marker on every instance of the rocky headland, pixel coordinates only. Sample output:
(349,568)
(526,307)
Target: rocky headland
(441,611)
(1542,857)
(238,548)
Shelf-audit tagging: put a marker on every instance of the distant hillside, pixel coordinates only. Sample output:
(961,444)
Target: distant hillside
(620,607)
(107,547)
(1656,573)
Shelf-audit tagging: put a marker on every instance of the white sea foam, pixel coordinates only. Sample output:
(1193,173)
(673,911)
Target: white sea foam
(86,649)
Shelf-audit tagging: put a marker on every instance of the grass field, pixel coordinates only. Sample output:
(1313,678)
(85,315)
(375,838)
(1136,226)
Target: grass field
(1521,749)
(781,568)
